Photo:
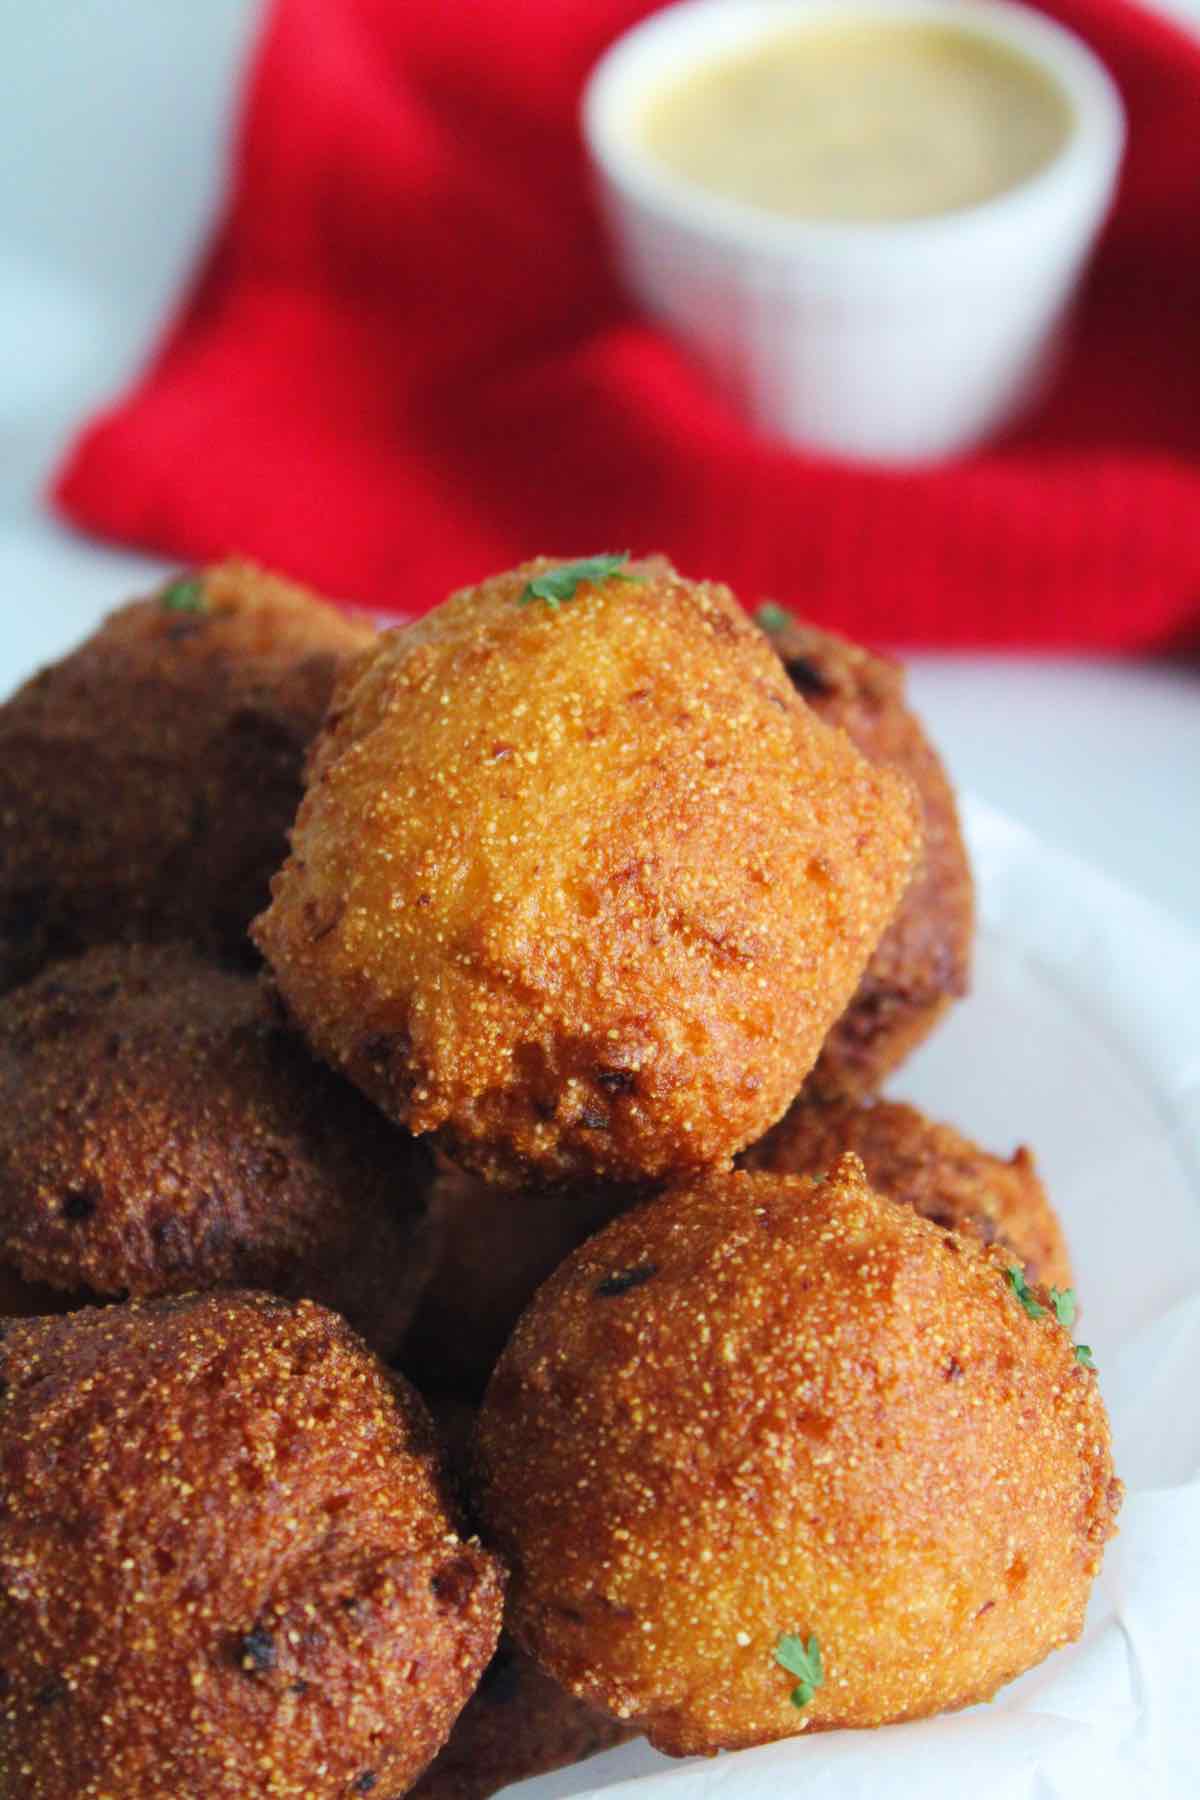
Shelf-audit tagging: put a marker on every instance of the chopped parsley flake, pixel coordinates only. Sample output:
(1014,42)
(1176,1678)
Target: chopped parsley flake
(185,595)
(804,1662)
(1063,1302)
(558,585)
(771,617)
(1021,1288)
(1083,1355)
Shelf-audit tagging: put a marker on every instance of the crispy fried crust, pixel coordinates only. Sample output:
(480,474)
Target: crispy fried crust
(581,890)
(760,1406)
(226,1564)
(161,1129)
(930,1167)
(492,1252)
(147,780)
(922,961)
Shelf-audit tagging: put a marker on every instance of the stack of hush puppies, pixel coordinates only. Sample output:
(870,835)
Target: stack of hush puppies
(502,1319)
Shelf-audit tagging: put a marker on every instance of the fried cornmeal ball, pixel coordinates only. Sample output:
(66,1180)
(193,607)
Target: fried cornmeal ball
(491,1254)
(227,1563)
(921,964)
(769,1455)
(148,779)
(930,1167)
(581,886)
(518,1723)
(161,1130)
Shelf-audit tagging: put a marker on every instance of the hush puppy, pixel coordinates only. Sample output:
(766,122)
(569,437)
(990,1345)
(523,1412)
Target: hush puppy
(490,1256)
(227,1565)
(148,779)
(578,884)
(930,1167)
(922,962)
(769,1455)
(161,1129)
(518,1723)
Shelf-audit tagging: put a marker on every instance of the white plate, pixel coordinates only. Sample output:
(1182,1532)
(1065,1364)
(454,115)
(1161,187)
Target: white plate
(1081,1038)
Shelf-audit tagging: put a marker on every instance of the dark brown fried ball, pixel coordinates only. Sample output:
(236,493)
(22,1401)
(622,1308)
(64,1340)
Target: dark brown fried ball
(930,1167)
(922,961)
(492,1251)
(227,1565)
(161,1130)
(581,888)
(147,781)
(518,1723)
(761,1411)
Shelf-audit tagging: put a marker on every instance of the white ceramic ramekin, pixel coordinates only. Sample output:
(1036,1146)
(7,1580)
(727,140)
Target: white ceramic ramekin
(891,343)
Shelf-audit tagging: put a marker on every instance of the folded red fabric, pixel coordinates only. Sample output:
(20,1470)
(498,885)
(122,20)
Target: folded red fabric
(407,362)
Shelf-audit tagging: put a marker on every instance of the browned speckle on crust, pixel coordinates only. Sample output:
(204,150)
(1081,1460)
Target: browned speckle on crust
(931,1167)
(222,1549)
(922,961)
(763,1439)
(162,1130)
(616,951)
(148,779)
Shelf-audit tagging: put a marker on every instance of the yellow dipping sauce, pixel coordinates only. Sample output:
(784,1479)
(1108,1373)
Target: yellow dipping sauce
(873,121)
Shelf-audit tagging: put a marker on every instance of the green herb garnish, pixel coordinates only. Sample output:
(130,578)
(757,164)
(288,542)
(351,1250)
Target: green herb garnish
(184,595)
(803,1661)
(557,585)
(1063,1302)
(1021,1288)
(771,617)
(1083,1355)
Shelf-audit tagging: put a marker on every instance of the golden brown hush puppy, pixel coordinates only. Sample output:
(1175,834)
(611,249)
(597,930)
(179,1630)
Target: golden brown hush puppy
(148,779)
(769,1455)
(930,1167)
(161,1129)
(227,1566)
(490,1255)
(922,961)
(578,883)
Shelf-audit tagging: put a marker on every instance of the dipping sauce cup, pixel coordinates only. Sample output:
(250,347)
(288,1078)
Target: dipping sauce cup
(878,287)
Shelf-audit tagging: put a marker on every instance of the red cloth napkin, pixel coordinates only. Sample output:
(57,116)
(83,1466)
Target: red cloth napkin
(407,363)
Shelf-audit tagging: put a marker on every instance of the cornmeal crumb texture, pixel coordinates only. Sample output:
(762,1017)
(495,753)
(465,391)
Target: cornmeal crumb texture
(931,1167)
(582,889)
(148,779)
(760,1406)
(922,961)
(227,1567)
(162,1129)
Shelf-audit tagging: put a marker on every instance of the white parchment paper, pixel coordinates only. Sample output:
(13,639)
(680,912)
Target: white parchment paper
(1081,1038)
